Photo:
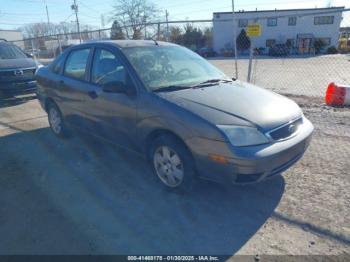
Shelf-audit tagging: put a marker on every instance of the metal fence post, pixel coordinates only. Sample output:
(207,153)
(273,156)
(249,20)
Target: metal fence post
(32,44)
(99,34)
(59,43)
(234,38)
(251,50)
(158,32)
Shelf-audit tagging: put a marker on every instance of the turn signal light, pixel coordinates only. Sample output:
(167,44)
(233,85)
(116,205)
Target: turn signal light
(218,159)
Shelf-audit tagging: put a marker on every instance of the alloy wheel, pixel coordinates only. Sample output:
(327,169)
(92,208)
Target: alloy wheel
(168,166)
(55,120)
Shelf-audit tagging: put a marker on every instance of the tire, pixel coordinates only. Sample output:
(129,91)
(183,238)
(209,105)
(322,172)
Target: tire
(172,162)
(56,121)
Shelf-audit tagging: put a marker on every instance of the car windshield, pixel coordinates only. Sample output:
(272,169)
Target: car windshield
(170,66)
(10,52)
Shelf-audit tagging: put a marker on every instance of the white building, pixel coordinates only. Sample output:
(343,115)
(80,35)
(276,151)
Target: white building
(299,27)
(12,35)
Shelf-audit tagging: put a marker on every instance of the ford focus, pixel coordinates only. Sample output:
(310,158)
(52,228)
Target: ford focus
(175,108)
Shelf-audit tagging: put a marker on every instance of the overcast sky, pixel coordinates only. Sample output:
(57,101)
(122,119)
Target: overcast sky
(15,13)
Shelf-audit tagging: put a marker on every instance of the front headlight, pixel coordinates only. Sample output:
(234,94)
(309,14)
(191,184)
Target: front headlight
(243,135)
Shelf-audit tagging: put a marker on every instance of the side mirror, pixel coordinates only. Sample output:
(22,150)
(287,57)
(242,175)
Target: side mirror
(29,55)
(115,87)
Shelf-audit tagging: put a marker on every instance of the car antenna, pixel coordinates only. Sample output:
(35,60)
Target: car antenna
(155,41)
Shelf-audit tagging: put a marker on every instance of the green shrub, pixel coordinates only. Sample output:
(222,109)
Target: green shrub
(332,50)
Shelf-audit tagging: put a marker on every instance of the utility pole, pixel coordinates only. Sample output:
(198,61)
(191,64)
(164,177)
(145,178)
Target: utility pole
(234,37)
(47,15)
(74,7)
(102,21)
(167,25)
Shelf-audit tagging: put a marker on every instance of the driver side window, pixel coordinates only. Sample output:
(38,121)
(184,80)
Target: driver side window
(107,68)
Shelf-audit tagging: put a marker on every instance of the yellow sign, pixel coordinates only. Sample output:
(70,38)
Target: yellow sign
(254,30)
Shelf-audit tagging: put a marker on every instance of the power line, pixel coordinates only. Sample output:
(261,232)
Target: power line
(86,6)
(65,20)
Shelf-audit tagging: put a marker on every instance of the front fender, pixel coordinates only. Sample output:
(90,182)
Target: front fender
(151,124)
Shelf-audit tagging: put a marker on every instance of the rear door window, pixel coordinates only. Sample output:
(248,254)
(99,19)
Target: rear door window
(76,64)
(57,65)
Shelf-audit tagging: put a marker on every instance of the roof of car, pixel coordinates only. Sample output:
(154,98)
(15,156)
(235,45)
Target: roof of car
(132,43)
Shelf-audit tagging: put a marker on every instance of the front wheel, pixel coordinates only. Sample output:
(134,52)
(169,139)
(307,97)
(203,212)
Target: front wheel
(172,162)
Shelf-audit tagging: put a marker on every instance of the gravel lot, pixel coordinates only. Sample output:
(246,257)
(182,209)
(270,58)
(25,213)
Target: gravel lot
(80,196)
(298,76)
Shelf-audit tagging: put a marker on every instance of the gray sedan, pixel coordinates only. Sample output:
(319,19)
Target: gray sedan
(169,104)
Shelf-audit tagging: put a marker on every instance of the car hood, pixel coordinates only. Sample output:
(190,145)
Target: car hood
(17,63)
(236,103)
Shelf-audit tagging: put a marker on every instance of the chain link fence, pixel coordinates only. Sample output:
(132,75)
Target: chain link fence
(299,52)
(293,43)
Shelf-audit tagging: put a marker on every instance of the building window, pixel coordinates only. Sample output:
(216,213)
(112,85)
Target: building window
(242,22)
(325,40)
(270,42)
(271,21)
(323,20)
(292,20)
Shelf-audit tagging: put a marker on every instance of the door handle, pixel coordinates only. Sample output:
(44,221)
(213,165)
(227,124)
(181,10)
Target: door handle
(92,94)
(61,82)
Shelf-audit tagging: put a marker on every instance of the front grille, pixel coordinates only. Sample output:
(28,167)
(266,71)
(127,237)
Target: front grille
(286,131)
(17,73)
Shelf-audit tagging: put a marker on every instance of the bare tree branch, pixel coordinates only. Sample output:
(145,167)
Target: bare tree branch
(133,14)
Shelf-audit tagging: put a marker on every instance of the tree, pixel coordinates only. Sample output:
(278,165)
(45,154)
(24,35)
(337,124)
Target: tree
(43,29)
(193,37)
(133,14)
(242,41)
(35,30)
(175,35)
(137,34)
(208,37)
(117,31)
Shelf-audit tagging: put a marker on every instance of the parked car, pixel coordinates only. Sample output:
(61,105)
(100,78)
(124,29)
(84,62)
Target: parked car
(279,50)
(17,71)
(169,104)
(206,52)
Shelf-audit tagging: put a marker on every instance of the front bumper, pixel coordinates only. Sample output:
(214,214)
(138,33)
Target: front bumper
(249,164)
(18,88)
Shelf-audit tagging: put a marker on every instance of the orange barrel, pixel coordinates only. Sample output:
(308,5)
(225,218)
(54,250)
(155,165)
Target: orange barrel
(337,95)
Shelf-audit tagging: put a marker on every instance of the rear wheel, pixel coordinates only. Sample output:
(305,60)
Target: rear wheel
(172,162)
(56,121)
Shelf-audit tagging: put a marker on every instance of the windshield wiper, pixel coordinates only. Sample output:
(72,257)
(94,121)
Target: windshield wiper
(171,88)
(202,84)
(212,81)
